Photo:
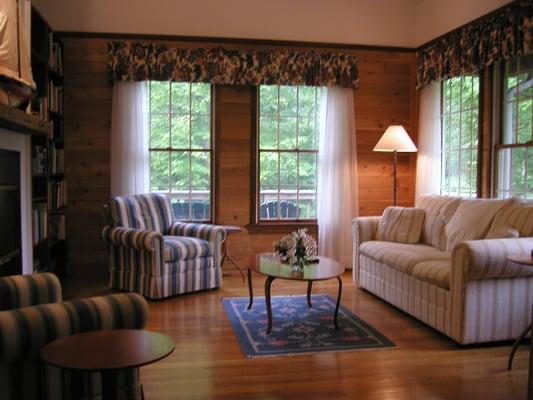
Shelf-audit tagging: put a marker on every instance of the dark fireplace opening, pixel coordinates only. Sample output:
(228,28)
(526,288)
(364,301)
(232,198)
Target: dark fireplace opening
(10,226)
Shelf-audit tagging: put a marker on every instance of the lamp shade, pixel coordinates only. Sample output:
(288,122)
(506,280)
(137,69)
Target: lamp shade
(397,139)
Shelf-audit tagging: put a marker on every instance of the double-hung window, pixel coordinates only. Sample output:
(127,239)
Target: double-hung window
(515,152)
(181,146)
(287,153)
(459,136)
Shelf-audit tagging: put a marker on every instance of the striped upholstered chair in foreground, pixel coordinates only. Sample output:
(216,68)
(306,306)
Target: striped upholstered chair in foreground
(32,314)
(155,255)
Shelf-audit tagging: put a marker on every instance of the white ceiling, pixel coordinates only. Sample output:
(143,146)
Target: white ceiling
(404,23)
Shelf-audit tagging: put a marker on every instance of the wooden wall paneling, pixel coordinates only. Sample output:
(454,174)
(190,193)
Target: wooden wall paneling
(386,96)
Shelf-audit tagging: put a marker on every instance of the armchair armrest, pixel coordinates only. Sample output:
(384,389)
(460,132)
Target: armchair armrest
(25,331)
(208,232)
(129,237)
(486,259)
(29,290)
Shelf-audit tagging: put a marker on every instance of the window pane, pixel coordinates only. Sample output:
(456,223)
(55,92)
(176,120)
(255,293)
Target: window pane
(181,98)
(180,121)
(159,171)
(459,124)
(200,171)
(159,97)
(200,132)
(159,131)
(268,132)
(288,152)
(180,132)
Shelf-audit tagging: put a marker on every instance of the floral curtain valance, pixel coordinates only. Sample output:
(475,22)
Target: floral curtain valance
(500,36)
(135,61)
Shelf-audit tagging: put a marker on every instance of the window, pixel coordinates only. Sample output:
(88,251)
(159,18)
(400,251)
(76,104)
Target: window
(460,131)
(181,146)
(515,153)
(287,153)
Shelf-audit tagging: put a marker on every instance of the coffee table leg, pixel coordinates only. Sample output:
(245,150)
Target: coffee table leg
(515,346)
(268,282)
(338,303)
(250,289)
(309,288)
(109,384)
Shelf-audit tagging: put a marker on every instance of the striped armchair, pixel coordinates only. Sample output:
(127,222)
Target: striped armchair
(32,315)
(156,256)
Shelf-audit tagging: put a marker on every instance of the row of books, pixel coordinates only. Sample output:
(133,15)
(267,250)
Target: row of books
(55,96)
(56,55)
(56,163)
(57,194)
(46,160)
(40,223)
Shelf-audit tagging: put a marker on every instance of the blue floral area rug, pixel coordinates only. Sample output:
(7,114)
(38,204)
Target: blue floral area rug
(296,328)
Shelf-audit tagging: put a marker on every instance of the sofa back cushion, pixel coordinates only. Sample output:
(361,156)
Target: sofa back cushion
(437,209)
(516,216)
(472,219)
(401,224)
(150,212)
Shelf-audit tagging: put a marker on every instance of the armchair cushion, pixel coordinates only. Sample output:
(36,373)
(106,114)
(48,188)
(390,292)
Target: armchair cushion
(28,290)
(401,224)
(186,248)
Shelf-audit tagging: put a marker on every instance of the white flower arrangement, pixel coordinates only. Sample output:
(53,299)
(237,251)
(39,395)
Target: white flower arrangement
(297,247)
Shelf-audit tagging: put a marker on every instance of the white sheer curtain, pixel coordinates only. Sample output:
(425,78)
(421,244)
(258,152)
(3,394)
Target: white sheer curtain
(337,175)
(428,162)
(129,139)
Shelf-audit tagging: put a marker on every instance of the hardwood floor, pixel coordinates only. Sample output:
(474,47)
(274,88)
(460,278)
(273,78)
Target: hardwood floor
(208,363)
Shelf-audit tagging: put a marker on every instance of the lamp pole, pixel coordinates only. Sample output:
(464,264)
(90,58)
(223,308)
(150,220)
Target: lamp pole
(395,185)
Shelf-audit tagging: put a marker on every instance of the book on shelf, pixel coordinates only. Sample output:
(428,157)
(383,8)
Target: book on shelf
(55,95)
(39,222)
(56,55)
(57,194)
(56,161)
(39,160)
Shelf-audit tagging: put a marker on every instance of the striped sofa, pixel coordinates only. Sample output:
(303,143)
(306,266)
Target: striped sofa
(32,314)
(469,292)
(156,256)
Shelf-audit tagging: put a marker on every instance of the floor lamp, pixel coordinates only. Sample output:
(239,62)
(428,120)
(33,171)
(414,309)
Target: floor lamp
(395,140)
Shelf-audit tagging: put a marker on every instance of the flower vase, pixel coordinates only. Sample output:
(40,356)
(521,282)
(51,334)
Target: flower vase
(298,265)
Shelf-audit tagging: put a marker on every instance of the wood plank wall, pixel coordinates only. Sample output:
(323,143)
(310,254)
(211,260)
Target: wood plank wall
(386,96)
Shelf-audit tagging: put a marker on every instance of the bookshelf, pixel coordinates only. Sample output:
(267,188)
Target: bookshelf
(48,166)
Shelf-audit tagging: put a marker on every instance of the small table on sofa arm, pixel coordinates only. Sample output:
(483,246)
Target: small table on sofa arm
(107,352)
(228,230)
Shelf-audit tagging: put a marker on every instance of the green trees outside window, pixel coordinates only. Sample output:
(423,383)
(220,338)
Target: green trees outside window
(288,152)
(459,135)
(180,146)
(515,152)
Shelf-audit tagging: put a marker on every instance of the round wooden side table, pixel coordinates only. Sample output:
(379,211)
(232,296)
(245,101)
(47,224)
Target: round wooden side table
(230,229)
(107,352)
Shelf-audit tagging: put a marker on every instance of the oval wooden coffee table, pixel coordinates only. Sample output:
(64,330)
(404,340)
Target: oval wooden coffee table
(269,265)
(107,352)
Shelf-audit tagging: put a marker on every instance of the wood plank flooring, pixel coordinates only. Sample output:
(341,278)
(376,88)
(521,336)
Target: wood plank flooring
(208,363)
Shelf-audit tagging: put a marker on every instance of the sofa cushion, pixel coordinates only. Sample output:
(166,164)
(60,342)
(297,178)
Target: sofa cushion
(436,272)
(186,248)
(401,256)
(433,231)
(401,224)
(517,215)
(472,219)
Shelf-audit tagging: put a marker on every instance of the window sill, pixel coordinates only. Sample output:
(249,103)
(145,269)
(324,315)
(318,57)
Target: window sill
(282,227)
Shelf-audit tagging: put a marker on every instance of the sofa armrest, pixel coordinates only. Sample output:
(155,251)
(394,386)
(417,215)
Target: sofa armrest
(212,233)
(29,290)
(133,238)
(25,331)
(486,259)
(363,230)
